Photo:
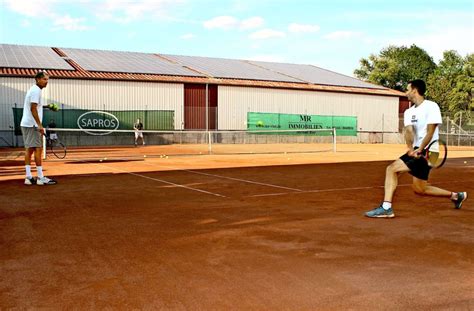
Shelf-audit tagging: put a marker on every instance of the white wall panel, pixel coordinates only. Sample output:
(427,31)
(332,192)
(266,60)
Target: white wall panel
(93,94)
(373,112)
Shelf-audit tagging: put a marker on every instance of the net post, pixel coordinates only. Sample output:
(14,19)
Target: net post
(334,139)
(209,142)
(44,147)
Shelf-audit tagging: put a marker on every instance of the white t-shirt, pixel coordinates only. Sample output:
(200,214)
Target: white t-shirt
(419,117)
(33,96)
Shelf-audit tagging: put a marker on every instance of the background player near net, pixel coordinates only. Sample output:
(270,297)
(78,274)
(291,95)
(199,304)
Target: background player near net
(421,127)
(32,130)
(51,134)
(138,127)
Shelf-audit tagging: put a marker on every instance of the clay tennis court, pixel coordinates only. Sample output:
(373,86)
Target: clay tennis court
(241,232)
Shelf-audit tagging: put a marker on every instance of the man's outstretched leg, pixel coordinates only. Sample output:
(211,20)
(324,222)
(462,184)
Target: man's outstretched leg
(391,182)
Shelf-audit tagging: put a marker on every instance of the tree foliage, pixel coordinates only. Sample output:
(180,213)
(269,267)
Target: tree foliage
(395,66)
(450,83)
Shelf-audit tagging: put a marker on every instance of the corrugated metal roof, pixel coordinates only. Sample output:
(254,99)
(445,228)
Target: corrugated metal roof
(315,75)
(197,77)
(24,56)
(126,62)
(229,68)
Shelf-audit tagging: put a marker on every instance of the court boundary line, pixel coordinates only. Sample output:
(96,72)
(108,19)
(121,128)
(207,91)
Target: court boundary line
(161,180)
(341,189)
(226,177)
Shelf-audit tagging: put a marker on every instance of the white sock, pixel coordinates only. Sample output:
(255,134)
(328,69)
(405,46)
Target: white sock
(386,205)
(28,171)
(40,171)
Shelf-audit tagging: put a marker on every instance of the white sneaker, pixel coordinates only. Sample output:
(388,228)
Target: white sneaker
(45,181)
(30,181)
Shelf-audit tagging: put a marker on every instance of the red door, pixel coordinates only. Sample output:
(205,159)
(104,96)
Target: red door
(195,107)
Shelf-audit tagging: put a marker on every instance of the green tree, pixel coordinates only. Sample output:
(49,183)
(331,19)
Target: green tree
(442,81)
(395,66)
(451,85)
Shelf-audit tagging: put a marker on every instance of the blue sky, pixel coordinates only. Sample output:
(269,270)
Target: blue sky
(332,34)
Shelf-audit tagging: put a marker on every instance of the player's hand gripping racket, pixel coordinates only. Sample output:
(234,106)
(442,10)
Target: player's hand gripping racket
(435,153)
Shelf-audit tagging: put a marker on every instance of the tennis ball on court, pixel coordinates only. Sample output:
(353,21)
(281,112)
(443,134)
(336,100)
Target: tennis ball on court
(167,157)
(105,159)
(259,123)
(100,160)
(465,162)
(144,155)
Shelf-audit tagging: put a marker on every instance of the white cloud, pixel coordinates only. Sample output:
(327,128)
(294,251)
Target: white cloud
(267,34)
(342,35)
(188,36)
(69,23)
(31,8)
(301,28)
(221,22)
(47,9)
(251,23)
(437,40)
(126,11)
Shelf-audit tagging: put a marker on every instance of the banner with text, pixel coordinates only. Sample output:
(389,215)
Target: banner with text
(93,119)
(258,121)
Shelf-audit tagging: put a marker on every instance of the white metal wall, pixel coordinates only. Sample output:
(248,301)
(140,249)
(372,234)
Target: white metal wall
(374,113)
(12,91)
(93,94)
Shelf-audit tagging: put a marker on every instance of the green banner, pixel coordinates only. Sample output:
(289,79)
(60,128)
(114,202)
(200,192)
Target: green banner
(113,120)
(257,121)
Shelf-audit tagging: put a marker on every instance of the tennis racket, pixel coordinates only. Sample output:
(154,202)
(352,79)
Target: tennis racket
(57,148)
(435,153)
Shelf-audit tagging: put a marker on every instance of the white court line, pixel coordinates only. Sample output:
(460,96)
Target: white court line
(313,191)
(225,177)
(163,181)
(343,189)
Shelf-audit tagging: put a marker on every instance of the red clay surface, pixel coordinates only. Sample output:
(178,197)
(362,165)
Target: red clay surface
(272,232)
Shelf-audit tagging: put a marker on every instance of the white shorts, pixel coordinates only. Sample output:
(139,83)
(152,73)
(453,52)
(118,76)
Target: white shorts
(138,134)
(32,137)
(53,136)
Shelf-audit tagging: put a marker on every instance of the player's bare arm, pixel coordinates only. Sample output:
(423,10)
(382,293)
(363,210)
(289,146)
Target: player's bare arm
(34,112)
(409,134)
(429,135)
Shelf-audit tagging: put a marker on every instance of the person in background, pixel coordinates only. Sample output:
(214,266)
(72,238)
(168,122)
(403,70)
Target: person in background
(138,127)
(51,133)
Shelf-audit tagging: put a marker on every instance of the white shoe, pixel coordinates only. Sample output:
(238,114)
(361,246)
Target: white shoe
(45,181)
(30,181)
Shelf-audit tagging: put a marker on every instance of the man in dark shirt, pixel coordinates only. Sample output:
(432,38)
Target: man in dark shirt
(52,134)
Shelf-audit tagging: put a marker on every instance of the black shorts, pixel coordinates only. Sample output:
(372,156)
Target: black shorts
(419,167)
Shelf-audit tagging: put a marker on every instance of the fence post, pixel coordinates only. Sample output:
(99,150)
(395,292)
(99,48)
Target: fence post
(383,127)
(447,131)
(460,128)
(207,107)
(14,128)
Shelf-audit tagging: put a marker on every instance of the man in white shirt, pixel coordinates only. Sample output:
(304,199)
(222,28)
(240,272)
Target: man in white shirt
(421,127)
(33,131)
(138,127)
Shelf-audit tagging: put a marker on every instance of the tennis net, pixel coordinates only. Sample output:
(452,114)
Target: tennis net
(97,143)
